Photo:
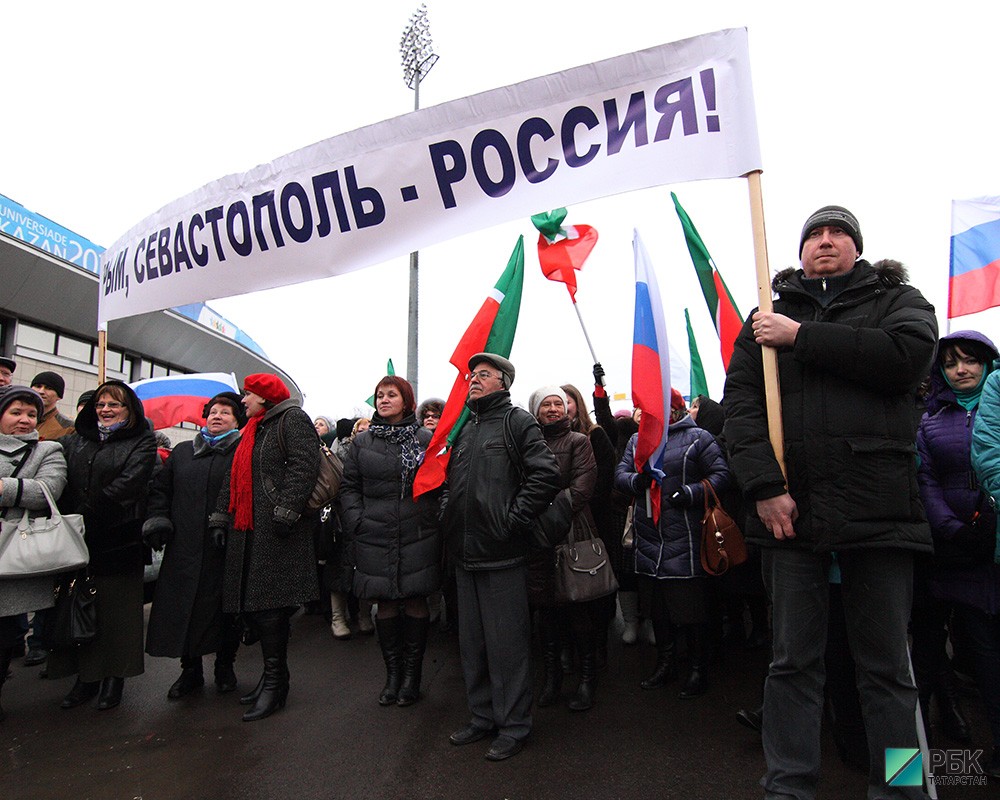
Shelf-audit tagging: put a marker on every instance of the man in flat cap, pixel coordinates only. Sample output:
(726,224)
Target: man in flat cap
(7,367)
(501,476)
(854,343)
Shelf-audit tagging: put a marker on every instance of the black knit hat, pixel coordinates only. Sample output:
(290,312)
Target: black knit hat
(51,379)
(234,401)
(10,363)
(836,217)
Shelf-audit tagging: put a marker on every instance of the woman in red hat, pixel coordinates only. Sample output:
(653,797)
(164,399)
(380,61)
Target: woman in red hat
(393,540)
(262,519)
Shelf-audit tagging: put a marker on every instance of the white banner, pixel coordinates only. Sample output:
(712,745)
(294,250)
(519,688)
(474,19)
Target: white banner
(678,112)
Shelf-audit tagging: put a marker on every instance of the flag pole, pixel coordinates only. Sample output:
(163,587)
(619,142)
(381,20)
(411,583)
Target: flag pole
(585,334)
(772,390)
(102,350)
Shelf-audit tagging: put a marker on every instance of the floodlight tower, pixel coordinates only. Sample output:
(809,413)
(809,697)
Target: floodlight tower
(419,58)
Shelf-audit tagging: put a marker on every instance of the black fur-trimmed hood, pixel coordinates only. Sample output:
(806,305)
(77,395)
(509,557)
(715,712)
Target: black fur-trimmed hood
(889,272)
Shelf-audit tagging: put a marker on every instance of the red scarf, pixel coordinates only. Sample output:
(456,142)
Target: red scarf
(241,478)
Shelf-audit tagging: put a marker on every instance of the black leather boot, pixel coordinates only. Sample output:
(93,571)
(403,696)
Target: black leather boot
(273,627)
(697,681)
(414,644)
(81,692)
(390,639)
(250,698)
(552,664)
(666,665)
(583,700)
(225,657)
(191,678)
(111,693)
(949,708)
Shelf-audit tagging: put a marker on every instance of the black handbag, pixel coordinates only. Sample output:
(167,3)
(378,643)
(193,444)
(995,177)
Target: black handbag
(582,570)
(73,620)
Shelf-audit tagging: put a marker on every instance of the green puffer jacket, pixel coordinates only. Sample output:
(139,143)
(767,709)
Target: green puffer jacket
(847,395)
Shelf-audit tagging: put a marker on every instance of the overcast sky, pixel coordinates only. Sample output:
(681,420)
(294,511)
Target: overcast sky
(114,109)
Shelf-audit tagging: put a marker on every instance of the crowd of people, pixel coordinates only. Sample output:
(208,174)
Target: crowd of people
(872,538)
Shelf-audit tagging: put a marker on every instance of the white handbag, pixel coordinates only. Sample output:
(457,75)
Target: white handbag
(32,548)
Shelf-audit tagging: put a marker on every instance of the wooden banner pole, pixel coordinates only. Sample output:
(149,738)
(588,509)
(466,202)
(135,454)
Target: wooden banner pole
(772,390)
(102,352)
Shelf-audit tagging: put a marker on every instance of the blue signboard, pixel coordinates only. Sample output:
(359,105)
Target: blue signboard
(43,233)
(36,230)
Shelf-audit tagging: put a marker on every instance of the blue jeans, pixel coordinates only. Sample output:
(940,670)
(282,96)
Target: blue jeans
(877,591)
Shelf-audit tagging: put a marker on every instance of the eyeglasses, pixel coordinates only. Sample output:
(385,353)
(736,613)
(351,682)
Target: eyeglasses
(108,406)
(483,375)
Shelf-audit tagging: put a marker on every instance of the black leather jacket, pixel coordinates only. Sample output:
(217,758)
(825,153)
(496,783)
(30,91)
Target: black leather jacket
(495,488)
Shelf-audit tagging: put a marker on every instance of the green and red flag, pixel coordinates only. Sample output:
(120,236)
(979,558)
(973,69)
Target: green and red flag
(720,302)
(562,251)
(389,370)
(698,383)
(492,331)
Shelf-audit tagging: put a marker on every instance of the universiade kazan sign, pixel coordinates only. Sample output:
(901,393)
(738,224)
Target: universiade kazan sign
(678,112)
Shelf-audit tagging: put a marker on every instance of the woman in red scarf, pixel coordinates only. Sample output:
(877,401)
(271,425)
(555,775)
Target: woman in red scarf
(262,520)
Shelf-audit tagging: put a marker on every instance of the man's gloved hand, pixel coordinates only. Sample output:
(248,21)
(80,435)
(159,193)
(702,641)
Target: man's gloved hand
(598,374)
(282,529)
(218,537)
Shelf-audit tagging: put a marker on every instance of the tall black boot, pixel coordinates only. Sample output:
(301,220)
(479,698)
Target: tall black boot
(552,663)
(274,629)
(666,661)
(584,697)
(697,681)
(390,639)
(225,657)
(414,644)
(6,656)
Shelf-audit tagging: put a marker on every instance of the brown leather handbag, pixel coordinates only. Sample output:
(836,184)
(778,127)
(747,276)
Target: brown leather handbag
(722,544)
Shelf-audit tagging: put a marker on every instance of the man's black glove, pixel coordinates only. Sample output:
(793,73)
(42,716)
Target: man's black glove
(282,529)
(217,536)
(598,374)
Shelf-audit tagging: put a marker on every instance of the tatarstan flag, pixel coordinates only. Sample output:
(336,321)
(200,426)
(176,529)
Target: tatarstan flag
(492,331)
(721,305)
(698,383)
(562,251)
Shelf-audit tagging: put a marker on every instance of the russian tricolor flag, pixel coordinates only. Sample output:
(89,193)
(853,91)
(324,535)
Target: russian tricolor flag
(181,398)
(974,284)
(650,373)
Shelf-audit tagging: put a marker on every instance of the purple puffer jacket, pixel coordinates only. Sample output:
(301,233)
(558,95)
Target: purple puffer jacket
(952,497)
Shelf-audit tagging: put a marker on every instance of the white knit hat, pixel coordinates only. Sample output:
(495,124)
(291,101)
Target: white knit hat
(540,394)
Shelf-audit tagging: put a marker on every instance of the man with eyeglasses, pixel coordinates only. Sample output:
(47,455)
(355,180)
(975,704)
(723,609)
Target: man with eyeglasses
(501,476)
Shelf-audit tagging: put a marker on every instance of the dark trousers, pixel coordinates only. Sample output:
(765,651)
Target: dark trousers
(494,635)
(982,632)
(877,592)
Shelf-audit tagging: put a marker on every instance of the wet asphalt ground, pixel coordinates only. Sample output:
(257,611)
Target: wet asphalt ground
(333,740)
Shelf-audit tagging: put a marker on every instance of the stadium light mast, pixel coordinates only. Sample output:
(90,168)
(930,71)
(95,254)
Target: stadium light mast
(419,58)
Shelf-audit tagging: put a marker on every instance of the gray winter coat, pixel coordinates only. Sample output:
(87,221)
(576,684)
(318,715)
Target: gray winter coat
(45,464)
(265,570)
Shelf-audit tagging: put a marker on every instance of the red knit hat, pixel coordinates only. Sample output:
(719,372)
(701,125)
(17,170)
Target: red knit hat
(677,401)
(268,386)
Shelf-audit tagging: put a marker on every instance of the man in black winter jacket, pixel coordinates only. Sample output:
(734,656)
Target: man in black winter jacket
(501,476)
(854,343)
